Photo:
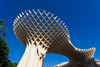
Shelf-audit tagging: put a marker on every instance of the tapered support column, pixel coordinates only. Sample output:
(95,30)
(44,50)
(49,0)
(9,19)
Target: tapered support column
(31,57)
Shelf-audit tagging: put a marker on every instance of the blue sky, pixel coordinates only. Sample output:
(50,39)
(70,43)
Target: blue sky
(82,18)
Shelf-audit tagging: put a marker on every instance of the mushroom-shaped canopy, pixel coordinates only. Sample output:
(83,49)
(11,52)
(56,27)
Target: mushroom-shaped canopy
(39,28)
(44,29)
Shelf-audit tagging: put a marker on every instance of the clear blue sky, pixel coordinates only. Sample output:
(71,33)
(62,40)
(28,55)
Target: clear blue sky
(82,17)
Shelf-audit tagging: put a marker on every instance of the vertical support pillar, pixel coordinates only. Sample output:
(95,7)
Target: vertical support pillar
(31,57)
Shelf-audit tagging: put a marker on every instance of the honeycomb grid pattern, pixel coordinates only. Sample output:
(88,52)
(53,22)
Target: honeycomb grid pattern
(38,26)
(88,54)
(41,27)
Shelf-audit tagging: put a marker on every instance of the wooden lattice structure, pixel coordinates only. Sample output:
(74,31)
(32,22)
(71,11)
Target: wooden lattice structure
(42,33)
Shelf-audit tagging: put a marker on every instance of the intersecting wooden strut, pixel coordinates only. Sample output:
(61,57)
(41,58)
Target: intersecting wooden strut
(43,33)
